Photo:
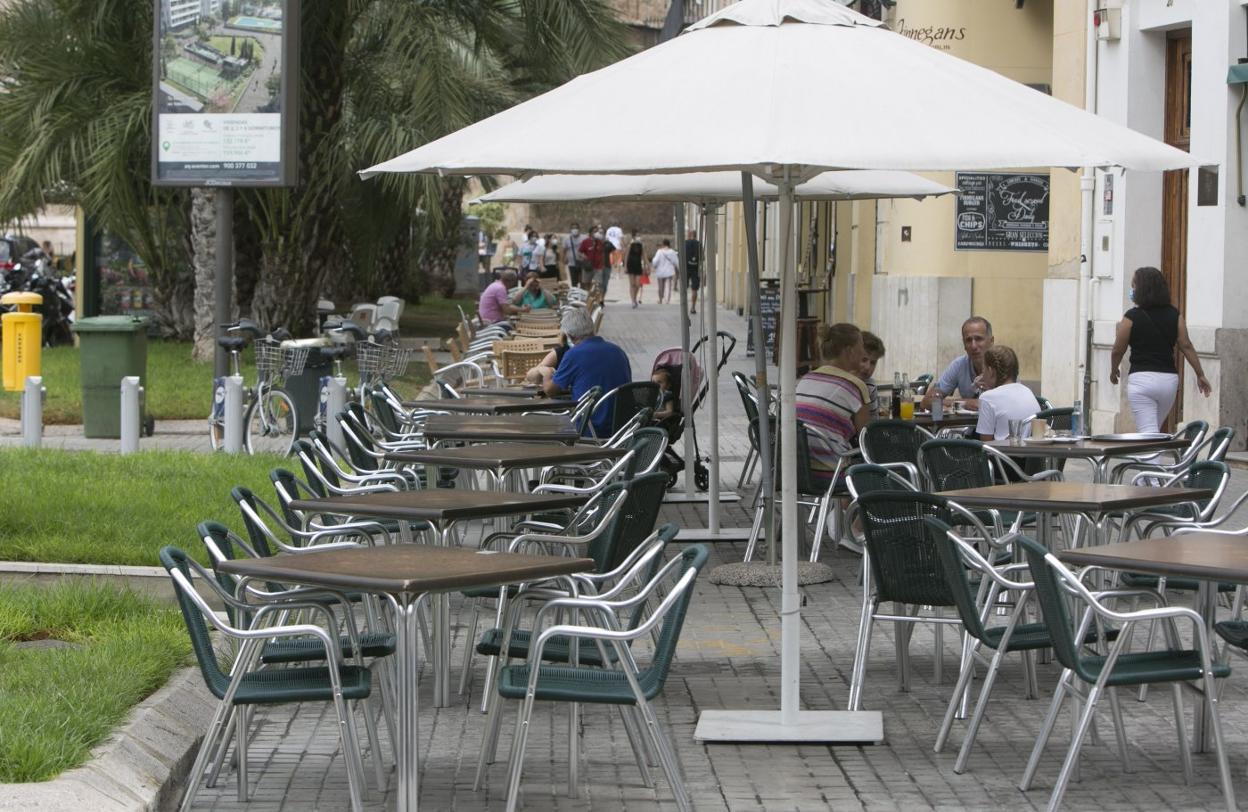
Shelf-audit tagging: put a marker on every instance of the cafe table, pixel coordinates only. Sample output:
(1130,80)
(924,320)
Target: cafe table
(442,508)
(1097,452)
(404,575)
(476,428)
(948,420)
(517,391)
(1092,500)
(498,404)
(1209,557)
(500,459)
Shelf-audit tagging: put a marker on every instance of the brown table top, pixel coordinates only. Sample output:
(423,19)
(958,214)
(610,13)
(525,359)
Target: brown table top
(1197,555)
(481,428)
(947,419)
(497,404)
(1089,449)
(493,456)
(412,569)
(1073,497)
(500,392)
(439,504)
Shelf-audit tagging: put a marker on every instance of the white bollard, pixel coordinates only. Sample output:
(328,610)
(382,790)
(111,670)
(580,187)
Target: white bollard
(32,412)
(234,414)
(131,414)
(336,403)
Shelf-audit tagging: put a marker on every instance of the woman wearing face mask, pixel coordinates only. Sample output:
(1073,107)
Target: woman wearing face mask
(1152,329)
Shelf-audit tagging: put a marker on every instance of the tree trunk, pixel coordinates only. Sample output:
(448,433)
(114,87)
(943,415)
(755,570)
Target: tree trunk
(443,239)
(204,257)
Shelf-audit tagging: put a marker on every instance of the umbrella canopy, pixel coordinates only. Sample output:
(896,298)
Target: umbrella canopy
(806,84)
(711,187)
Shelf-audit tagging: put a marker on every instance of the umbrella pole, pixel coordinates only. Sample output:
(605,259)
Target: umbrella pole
(789,724)
(790,529)
(710,307)
(686,373)
(755,284)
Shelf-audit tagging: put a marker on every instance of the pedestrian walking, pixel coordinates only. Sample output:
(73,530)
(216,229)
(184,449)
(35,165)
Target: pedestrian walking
(551,257)
(693,269)
(635,266)
(665,263)
(1152,329)
(615,236)
(597,253)
(572,259)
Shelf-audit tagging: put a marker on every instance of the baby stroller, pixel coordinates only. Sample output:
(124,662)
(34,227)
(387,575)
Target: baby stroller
(671,361)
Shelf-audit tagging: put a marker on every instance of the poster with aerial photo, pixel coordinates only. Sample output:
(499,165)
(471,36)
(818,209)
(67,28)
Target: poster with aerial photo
(221,112)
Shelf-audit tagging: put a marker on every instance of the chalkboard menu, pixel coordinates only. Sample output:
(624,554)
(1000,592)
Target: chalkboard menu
(769,298)
(1002,212)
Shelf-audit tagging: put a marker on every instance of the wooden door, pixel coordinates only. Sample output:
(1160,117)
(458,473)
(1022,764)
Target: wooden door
(1178,128)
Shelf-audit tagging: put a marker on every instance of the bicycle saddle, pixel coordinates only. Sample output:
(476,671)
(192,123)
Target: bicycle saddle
(232,342)
(334,353)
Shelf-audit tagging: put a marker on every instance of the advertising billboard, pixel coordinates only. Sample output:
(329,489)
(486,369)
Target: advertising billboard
(1002,211)
(225,78)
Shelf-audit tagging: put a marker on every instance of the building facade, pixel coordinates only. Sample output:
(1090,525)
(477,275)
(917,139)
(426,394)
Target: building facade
(1161,67)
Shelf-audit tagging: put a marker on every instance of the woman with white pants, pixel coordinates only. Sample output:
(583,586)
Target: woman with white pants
(664,265)
(1152,329)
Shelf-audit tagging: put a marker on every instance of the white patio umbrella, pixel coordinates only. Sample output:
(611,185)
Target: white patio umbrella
(786,89)
(710,189)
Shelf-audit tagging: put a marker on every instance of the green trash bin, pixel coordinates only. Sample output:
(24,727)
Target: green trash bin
(110,348)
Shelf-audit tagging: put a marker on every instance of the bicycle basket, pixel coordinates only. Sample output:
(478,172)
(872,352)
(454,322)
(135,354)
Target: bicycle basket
(370,359)
(397,359)
(274,359)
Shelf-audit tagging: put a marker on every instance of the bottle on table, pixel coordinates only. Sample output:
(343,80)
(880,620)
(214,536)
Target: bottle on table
(907,398)
(895,406)
(1076,419)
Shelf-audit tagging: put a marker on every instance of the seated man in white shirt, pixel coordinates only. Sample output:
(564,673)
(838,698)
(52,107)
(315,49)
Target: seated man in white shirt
(1004,398)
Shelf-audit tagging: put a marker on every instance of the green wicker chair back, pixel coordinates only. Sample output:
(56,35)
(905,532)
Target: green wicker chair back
(384,411)
(635,522)
(867,478)
(255,534)
(218,681)
(954,464)
(904,563)
(888,441)
(647,446)
(1053,604)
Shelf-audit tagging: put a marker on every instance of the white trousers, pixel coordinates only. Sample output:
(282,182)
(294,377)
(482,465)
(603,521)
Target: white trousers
(1151,396)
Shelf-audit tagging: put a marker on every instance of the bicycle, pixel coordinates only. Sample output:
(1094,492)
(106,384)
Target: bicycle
(270,420)
(378,358)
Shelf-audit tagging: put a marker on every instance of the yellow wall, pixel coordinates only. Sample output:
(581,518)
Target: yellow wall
(1008,287)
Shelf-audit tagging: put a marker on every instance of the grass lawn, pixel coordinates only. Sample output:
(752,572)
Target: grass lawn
(92,508)
(58,703)
(434,317)
(177,388)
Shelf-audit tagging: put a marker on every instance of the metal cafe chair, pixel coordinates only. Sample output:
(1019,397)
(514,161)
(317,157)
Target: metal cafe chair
(1086,677)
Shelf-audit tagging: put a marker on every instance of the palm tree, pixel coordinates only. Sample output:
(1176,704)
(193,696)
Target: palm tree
(76,111)
(381,77)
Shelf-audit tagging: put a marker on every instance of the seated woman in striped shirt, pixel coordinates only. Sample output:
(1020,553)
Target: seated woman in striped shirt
(833,398)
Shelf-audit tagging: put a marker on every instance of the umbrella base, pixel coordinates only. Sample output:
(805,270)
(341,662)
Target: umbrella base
(761,727)
(758,573)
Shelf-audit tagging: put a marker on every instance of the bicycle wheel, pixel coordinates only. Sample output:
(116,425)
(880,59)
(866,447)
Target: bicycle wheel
(271,423)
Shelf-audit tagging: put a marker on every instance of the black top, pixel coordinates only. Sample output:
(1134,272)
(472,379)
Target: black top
(1154,332)
(636,255)
(693,255)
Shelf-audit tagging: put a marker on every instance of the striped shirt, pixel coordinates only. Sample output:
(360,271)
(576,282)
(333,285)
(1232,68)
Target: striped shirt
(828,398)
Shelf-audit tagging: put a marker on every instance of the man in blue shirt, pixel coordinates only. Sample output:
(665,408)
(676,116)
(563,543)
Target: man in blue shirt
(591,361)
(961,374)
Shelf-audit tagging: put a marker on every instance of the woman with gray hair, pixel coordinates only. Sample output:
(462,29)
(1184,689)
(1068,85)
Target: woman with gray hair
(592,361)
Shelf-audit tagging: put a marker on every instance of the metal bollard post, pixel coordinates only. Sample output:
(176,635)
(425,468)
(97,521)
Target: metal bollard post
(234,414)
(131,414)
(32,412)
(336,403)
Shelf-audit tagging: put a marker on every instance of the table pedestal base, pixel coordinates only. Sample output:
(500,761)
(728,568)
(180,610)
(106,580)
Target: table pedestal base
(824,727)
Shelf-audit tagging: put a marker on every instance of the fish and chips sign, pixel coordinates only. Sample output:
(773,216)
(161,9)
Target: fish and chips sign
(1002,212)
(225,78)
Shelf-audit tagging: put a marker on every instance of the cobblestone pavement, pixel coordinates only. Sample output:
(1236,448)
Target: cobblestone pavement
(729,658)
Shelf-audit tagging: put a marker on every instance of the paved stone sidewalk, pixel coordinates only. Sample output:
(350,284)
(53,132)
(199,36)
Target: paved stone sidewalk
(728,658)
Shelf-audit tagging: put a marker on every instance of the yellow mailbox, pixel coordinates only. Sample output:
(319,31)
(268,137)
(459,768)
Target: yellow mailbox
(21,336)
